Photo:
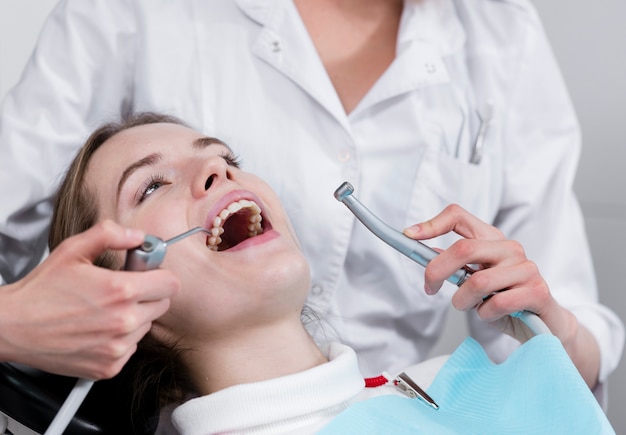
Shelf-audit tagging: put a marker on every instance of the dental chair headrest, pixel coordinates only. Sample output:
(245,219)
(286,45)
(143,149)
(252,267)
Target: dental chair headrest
(33,397)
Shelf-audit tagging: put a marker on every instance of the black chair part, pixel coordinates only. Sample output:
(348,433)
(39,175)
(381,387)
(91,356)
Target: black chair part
(33,398)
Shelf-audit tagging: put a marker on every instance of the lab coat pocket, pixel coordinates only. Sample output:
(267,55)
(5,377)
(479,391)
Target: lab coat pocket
(442,180)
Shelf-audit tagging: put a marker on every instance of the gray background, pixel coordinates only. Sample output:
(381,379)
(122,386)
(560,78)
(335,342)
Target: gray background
(588,39)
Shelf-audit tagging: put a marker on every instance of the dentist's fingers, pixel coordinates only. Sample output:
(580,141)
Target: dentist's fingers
(482,253)
(136,287)
(114,353)
(456,219)
(507,289)
(76,319)
(505,280)
(103,236)
(516,284)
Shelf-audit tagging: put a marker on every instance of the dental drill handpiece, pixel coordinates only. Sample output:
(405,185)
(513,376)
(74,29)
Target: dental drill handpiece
(148,256)
(415,250)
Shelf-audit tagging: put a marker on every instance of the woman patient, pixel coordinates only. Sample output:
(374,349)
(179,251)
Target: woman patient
(232,353)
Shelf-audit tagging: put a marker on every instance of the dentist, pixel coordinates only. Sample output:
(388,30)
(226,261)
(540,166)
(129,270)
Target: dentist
(419,104)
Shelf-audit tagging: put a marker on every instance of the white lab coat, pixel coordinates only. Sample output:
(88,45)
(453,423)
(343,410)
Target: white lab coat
(247,72)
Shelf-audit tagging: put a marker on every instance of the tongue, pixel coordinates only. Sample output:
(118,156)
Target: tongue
(235,230)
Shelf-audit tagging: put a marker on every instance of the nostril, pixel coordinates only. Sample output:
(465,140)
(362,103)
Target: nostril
(209,182)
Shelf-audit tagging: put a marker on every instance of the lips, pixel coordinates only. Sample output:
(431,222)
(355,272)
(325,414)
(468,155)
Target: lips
(239,220)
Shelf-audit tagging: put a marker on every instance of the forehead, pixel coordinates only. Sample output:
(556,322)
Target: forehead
(125,149)
(168,140)
(150,137)
(112,158)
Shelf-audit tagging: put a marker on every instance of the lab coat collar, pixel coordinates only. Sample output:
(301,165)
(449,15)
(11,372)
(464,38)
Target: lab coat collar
(285,45)
(429,31)
(433,22)
(257,10)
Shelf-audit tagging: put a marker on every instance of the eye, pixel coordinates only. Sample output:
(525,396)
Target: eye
(150,186)
(150,189)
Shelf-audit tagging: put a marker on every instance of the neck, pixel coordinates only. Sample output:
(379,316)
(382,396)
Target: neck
(253,355)
(356,8)
(368,32)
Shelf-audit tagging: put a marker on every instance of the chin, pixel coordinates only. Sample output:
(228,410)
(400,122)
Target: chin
(290,271)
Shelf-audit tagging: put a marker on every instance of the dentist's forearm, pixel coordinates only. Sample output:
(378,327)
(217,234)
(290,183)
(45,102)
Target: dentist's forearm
(580,345)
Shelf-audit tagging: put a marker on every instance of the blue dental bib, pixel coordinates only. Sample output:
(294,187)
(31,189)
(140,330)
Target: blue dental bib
(537,390)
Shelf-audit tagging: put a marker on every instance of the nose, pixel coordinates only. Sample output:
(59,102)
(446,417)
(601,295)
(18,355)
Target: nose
(209,182)
(213,171)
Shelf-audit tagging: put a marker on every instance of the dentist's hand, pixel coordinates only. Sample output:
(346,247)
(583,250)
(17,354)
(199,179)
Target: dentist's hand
(502,265)
(72,318)
(505,272)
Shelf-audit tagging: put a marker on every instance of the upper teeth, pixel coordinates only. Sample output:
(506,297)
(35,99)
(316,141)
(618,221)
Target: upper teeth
(254,226)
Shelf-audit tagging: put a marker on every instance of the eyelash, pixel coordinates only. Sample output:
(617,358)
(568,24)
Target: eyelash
(149,183)
(231,159)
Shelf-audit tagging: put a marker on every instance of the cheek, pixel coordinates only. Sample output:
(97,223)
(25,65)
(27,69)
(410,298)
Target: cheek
(201,311)
(283,286)
(215,299)
(164,221)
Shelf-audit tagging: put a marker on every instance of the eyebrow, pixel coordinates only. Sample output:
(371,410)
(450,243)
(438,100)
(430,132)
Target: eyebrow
(206,141)
(150,160)
(153,159)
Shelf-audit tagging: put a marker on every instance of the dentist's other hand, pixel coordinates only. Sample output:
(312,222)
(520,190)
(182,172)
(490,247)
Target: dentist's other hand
(502,264)
(508,280)
(73,318)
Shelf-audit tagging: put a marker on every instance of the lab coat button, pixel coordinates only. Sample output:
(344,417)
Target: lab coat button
(430,68)
(317,290)
(343,155)
(276,46)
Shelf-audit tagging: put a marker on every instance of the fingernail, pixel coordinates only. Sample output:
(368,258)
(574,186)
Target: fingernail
(413,230)
(132,233)
(428,290)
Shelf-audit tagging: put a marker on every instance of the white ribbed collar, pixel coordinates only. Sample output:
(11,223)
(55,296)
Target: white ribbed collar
(286,404)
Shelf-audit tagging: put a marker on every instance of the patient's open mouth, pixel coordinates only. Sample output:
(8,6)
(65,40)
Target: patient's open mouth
(238,222)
